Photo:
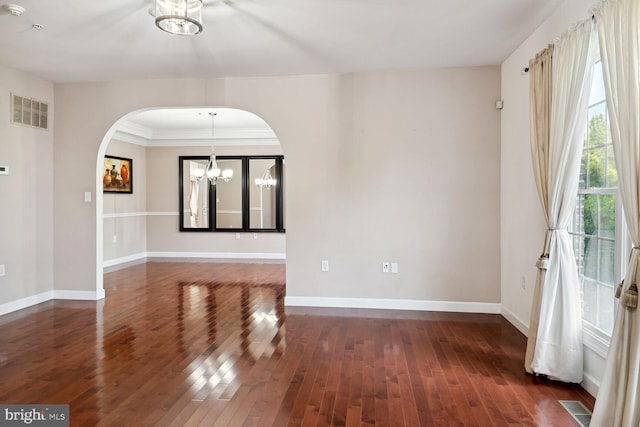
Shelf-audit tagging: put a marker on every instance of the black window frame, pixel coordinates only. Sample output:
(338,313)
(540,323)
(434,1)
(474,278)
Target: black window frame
(246,185)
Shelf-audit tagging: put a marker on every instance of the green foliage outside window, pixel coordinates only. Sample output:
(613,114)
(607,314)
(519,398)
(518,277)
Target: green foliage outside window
(600,172)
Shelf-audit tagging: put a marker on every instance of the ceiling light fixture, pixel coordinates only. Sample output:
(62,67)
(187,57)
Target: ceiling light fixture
(267,181)
(181,17)
(14,9)
(212,172)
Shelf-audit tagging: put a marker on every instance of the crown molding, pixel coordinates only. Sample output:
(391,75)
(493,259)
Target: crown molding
(137,134)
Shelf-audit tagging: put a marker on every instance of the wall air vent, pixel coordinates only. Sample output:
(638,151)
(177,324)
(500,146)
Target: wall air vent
(27,111)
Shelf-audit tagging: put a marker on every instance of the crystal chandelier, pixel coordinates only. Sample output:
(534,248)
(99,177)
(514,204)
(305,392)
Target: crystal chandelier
(212,172)
(181,17)
(266,181)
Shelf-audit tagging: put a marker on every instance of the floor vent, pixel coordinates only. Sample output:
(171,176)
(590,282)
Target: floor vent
(29,112)
(578,411)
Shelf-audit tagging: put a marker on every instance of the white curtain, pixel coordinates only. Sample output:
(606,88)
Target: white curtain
(618,22)
(194,191)
(556,350)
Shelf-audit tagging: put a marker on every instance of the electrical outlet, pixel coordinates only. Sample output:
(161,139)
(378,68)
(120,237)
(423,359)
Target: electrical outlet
(325,265)
(386,267)
(2,270)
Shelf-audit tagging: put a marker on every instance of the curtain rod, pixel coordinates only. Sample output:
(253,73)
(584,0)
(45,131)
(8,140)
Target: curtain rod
(525,70)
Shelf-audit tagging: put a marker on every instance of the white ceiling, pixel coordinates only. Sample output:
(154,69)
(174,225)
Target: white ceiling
(194,126)
(98,40)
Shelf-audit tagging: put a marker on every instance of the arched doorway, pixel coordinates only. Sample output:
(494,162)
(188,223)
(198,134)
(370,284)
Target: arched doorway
(145,222)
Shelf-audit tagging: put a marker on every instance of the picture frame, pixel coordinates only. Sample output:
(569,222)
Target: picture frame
(117,175)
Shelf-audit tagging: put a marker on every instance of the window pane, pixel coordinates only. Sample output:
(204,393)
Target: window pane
(605,308)
(596,175)
(578,250)
(584,169)
(195,194)
(593,226)
(612,172)
(229,196)
(607,224)
(606,257)
(597,85)
(591,257)
(262,193)
(590,301)
(597,131)
(577,225)
(590,214)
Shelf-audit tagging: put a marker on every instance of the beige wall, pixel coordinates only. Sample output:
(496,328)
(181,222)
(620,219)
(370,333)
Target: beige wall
(126,218)
(154,231)
(391,166)
(26,194)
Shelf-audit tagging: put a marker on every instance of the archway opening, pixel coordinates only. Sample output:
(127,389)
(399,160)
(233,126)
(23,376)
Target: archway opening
(140,212)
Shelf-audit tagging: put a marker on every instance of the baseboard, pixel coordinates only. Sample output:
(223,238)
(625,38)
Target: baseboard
(77,295)
(124,259)
(394,304)
(21,303)
(219,255)
(27,302)
(515,321)
(113,264)
(590,384)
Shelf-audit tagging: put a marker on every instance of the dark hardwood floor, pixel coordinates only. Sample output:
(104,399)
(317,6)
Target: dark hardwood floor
(206,344)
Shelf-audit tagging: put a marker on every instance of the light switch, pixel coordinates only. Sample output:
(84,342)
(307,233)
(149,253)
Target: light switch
(87,196)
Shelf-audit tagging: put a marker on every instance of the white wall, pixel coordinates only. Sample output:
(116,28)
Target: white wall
(522,227)
(389,166)
(26,196)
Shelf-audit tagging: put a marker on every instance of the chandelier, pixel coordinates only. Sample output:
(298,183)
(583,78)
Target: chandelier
(181,17)
(212,172)
(266,181)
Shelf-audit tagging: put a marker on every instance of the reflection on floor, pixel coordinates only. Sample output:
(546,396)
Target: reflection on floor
(188,344)
(261,317)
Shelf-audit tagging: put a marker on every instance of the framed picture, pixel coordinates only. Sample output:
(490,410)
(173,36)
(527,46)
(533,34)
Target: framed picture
(117,175)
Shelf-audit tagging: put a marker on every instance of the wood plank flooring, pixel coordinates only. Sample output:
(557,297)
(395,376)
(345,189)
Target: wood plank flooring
(207,344)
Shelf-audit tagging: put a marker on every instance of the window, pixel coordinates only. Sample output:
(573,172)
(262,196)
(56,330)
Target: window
(253,200)
(597,226)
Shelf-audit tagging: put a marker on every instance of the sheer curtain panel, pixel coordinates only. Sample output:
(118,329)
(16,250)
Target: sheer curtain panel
(556,324)
(618,23)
